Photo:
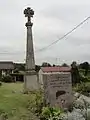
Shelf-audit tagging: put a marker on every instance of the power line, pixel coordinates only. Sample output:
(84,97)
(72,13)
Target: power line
(56,40)
(12,53)
(64,35)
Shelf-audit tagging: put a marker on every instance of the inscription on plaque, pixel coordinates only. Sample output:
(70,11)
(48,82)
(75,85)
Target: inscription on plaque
(58,88)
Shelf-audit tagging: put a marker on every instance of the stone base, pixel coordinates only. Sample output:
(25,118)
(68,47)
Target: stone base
(58,89)
(31,81)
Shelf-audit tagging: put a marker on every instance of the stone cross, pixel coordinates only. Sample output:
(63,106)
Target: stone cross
(30,62)
(29,13)
(30,76)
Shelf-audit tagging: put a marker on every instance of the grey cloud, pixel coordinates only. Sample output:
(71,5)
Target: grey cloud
(52,20)
(66,11)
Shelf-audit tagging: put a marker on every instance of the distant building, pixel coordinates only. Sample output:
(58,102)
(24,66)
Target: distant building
(6,67)
(56,69)
(18,76)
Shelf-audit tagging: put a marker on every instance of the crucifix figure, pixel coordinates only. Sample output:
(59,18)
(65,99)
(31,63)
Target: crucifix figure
(30,62)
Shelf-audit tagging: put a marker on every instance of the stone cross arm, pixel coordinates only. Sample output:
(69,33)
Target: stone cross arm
(28,12)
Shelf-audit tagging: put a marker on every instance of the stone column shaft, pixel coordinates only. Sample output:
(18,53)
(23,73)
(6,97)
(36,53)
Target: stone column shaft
(30,62)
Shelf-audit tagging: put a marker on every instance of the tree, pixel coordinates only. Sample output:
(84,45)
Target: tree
(37,68)
(19,66)
(64,65)
(54,65)
(85,66)
(16,70)
(75,73)
(45,64)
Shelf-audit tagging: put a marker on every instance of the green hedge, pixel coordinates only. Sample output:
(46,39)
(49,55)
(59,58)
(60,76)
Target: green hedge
(83,88)
(7,79)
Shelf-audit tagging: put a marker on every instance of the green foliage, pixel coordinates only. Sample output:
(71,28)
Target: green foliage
(19,66)
(0,83)
(45,64)
(49,113)
(3,115)
(75,73)
(37,106)
(78,75)
(85,66)
(64,65)
(37,68)
(46,112)
(84,78)
(6,78)
(16,70)
(83,88)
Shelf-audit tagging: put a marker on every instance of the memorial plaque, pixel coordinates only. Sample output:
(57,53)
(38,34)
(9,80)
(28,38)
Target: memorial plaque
(58,89)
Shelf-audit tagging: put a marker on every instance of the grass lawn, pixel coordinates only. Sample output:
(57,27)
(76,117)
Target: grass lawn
(13,101)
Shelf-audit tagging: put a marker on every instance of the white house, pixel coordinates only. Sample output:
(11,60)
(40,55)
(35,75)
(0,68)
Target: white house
(48,70)
(6,67)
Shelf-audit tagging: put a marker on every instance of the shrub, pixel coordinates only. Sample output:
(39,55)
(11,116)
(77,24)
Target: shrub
(44,112)
(51,113)
(3,115)
(36,103)
(84,78)
(0,84)
(83,88)
(7,79)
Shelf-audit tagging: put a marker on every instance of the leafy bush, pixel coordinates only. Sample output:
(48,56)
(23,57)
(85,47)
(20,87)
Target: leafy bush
(7,79)
(84,78)
(53,113)
(0,84)
(83,88)
(3,115)
(37,106)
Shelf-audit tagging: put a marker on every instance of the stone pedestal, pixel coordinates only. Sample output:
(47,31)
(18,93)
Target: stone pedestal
(58,89)
(31,81)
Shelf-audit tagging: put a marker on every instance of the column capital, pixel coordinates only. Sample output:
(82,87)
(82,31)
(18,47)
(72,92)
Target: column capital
(29,24)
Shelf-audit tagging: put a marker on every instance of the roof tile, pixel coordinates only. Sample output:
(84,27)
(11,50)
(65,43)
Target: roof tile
(56,69)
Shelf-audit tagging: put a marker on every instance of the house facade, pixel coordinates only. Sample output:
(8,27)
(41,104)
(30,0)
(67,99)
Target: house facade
(6,67)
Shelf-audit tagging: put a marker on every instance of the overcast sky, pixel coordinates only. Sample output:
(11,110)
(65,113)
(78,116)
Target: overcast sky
(52,19)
